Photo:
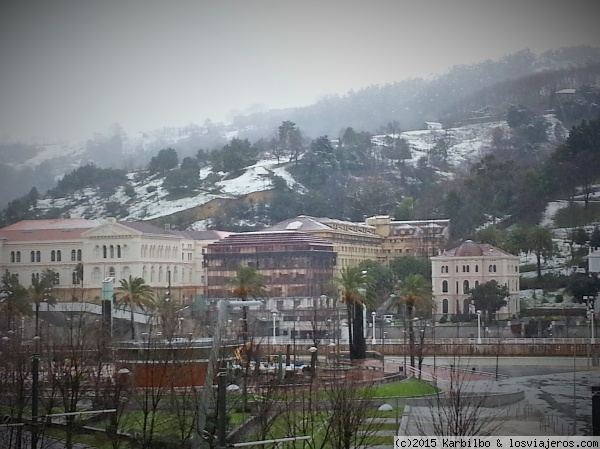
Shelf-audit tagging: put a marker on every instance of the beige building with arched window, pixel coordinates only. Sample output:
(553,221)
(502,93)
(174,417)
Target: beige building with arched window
(457,270)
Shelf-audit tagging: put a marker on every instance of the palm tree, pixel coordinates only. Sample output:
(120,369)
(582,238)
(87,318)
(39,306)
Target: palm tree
(41,291)
(248,283)
(353,284)
(415,293)
(135,293)
(14,299)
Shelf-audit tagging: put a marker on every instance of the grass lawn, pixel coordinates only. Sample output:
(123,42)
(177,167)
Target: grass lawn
(406,388)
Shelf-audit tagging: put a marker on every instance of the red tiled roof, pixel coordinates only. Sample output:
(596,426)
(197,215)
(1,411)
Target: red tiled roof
(60,223)
(38,235)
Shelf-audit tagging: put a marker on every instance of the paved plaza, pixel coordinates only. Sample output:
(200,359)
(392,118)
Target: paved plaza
(556,392)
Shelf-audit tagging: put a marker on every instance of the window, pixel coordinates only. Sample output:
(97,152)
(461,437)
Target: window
(38,256)
(58,256)
(445,287)
(56,279)
(18,256)
(112,252)
(12,256)
(104,251)
(79,255)
(73,255)
(75,278)
(111,272)
(32,256)
(465,287)
(118,251)
(52,256)
(476,268)
(444,305)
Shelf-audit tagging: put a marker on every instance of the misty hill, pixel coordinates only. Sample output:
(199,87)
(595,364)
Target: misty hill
(477,94)
(378,173)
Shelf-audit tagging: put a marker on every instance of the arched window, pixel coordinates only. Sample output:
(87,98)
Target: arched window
(104,251)
(490,269)
(38,256)
(468,268)
(52,256)
(12,256)
(445,287)
(118,251)
(97,252)
(465,286)
(112,252)
(75,278)
(78,255)
(18,256)
(96,275)
(160,274)
(476,268)
(444,305)
(152,274)
(56,280)
(111,272)
(494,268)
(58,256)
(32,256)
(476,283)
(73,255)
(144,272)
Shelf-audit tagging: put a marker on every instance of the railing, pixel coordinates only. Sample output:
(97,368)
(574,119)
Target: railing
(324,345)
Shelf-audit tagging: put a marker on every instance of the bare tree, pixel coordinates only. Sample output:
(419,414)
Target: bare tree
(459,408)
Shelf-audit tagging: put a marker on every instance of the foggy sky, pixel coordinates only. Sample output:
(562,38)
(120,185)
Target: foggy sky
(69,68)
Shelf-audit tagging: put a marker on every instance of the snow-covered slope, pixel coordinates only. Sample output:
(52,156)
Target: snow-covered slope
(151,200)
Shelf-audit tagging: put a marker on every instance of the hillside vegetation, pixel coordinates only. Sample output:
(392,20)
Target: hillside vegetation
(521,142)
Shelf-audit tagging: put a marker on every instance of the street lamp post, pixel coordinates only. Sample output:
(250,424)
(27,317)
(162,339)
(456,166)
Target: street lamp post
(590,314)
(479,341)
(274,329)
(374,340)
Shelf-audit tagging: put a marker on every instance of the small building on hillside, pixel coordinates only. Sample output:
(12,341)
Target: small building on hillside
(433,125)
(457,270)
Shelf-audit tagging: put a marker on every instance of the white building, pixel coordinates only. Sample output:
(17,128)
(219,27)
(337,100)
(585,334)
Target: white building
(456,271)
(161,257)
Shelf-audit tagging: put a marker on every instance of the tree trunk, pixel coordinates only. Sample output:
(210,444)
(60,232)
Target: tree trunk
(358,340)
(132,325)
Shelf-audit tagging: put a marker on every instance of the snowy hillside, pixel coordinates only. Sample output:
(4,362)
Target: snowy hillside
(151,200)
